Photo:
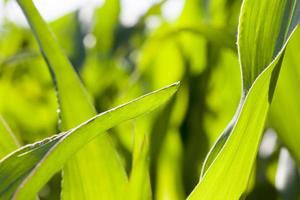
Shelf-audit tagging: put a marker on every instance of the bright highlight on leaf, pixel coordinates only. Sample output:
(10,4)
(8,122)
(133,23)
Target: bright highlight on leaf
(264,30)
(101,173)
(45,158)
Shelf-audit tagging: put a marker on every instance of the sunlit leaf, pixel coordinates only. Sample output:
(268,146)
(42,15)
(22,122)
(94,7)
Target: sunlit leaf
(285,110)
(36,163)
(169,183)
(264,30)
(139,186)
(106,19)
(100,173)
(8,141)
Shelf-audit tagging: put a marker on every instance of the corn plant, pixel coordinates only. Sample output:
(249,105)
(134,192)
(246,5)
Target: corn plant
(238,79)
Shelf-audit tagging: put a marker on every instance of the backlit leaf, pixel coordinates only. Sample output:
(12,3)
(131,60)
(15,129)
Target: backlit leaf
(264,30)
(24,172)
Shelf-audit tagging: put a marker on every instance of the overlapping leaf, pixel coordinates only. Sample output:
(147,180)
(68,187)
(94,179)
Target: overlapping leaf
(264,29)
(100,173)
(24,172)
(285,110)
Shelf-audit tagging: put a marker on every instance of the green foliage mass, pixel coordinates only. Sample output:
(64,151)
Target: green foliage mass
(204,107)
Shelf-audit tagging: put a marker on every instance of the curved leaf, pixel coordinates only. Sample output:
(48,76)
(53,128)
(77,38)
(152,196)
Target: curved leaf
(24,172)
(264,30)
(100,173)
(285,108)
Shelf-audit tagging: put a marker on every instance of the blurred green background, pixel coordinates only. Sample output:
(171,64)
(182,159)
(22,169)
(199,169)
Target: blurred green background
(118,62)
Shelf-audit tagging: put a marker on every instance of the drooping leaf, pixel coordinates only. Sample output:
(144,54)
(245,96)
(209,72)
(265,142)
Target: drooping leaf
(264,30)
(100,173)
(24,172)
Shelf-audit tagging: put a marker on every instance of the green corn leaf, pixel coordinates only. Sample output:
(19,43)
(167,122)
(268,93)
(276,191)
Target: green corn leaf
(139,186)
(100,173)
(69,35)
(24,172)
(8,141)
(104,30)
(169,181)
(264,30)
(69,87)
(285,108)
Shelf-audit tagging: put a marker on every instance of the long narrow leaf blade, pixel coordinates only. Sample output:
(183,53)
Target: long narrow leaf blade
(100,173)
(282,118)
(24,172)
(139,186)
(264,30)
